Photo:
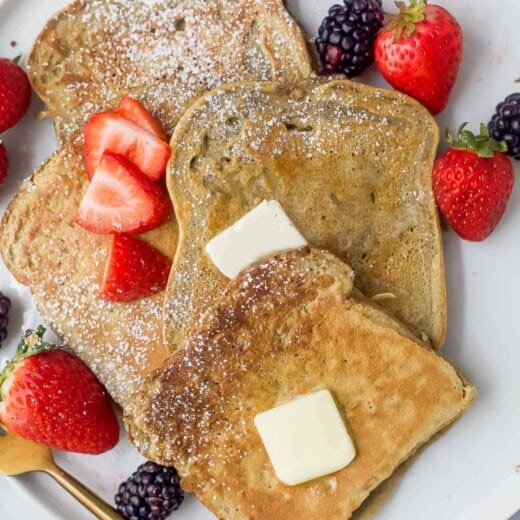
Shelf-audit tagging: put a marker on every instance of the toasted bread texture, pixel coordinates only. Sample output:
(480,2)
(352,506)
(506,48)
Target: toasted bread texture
(164,52)
(63,266)
(350,164)
(285,327)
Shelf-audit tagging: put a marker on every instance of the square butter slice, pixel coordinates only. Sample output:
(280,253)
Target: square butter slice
(305,438)
(264,231)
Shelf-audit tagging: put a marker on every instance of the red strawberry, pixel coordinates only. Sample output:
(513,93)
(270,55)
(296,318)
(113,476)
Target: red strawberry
(419,52)
(472,183)
(134,270)
(134,111)
(51,397)
(15,93)
(4,163)
(112,132)
(121,199)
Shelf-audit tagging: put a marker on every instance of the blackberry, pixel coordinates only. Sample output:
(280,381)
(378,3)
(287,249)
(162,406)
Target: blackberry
(346,36)
(505,124)
(5,307)
(152,492)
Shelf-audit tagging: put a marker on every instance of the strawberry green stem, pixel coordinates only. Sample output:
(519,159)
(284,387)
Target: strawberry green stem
(409,15)
(31,343)
(483,144)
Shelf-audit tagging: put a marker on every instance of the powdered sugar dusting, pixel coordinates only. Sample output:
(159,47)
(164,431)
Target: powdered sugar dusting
(351,165)
(165,52)
(196,412)
(65,264)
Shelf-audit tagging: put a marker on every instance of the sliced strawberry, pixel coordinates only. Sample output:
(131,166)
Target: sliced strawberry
(108,131)
(134,111)
(121,199)
(134,270)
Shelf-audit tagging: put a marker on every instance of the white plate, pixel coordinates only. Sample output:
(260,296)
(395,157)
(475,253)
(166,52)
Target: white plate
(470,472)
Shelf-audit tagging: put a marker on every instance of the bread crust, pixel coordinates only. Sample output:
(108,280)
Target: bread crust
(350,164)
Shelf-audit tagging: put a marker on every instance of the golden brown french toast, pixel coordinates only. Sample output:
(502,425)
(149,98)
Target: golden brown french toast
(164,52)
(285,327)
(351,166)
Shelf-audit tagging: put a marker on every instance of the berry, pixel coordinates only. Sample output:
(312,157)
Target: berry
(505,124)
(346,36)
(5,307)
(134,270)
(134,111)
(152,492)
(121,199)
(113,132)
(49,396)
(472,183)
(419,53)
(15,93)
(4,163)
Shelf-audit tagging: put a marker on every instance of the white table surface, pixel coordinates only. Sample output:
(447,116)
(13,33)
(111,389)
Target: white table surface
(16,505)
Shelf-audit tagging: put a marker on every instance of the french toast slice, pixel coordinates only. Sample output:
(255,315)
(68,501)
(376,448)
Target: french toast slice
(63,266)
(351,166)
(290,325)
(164,52)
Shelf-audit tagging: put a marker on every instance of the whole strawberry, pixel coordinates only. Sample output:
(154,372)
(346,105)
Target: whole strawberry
(472,183)
(51,397)
(4,163)
(419,52)
(15,93)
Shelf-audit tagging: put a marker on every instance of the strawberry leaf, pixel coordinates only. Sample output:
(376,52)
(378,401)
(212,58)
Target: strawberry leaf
(31,344)
(482,144)
(404,22)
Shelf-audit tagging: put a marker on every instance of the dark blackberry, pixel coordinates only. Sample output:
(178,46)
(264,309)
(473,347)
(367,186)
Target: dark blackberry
(5,307)
(152,492)
(346,36)
(505,124)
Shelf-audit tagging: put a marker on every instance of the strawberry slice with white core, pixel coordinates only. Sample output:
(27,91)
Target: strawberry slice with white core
(134,270)
(134,111)
(113,132)
(121,199)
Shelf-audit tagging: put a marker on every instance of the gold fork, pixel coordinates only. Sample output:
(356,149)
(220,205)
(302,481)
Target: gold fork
(19,456)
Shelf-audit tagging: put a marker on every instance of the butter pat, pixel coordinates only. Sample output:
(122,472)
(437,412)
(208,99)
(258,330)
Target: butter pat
(305,438)
(264,231)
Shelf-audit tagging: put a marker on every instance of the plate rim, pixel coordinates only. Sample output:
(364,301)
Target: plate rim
(500,505)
